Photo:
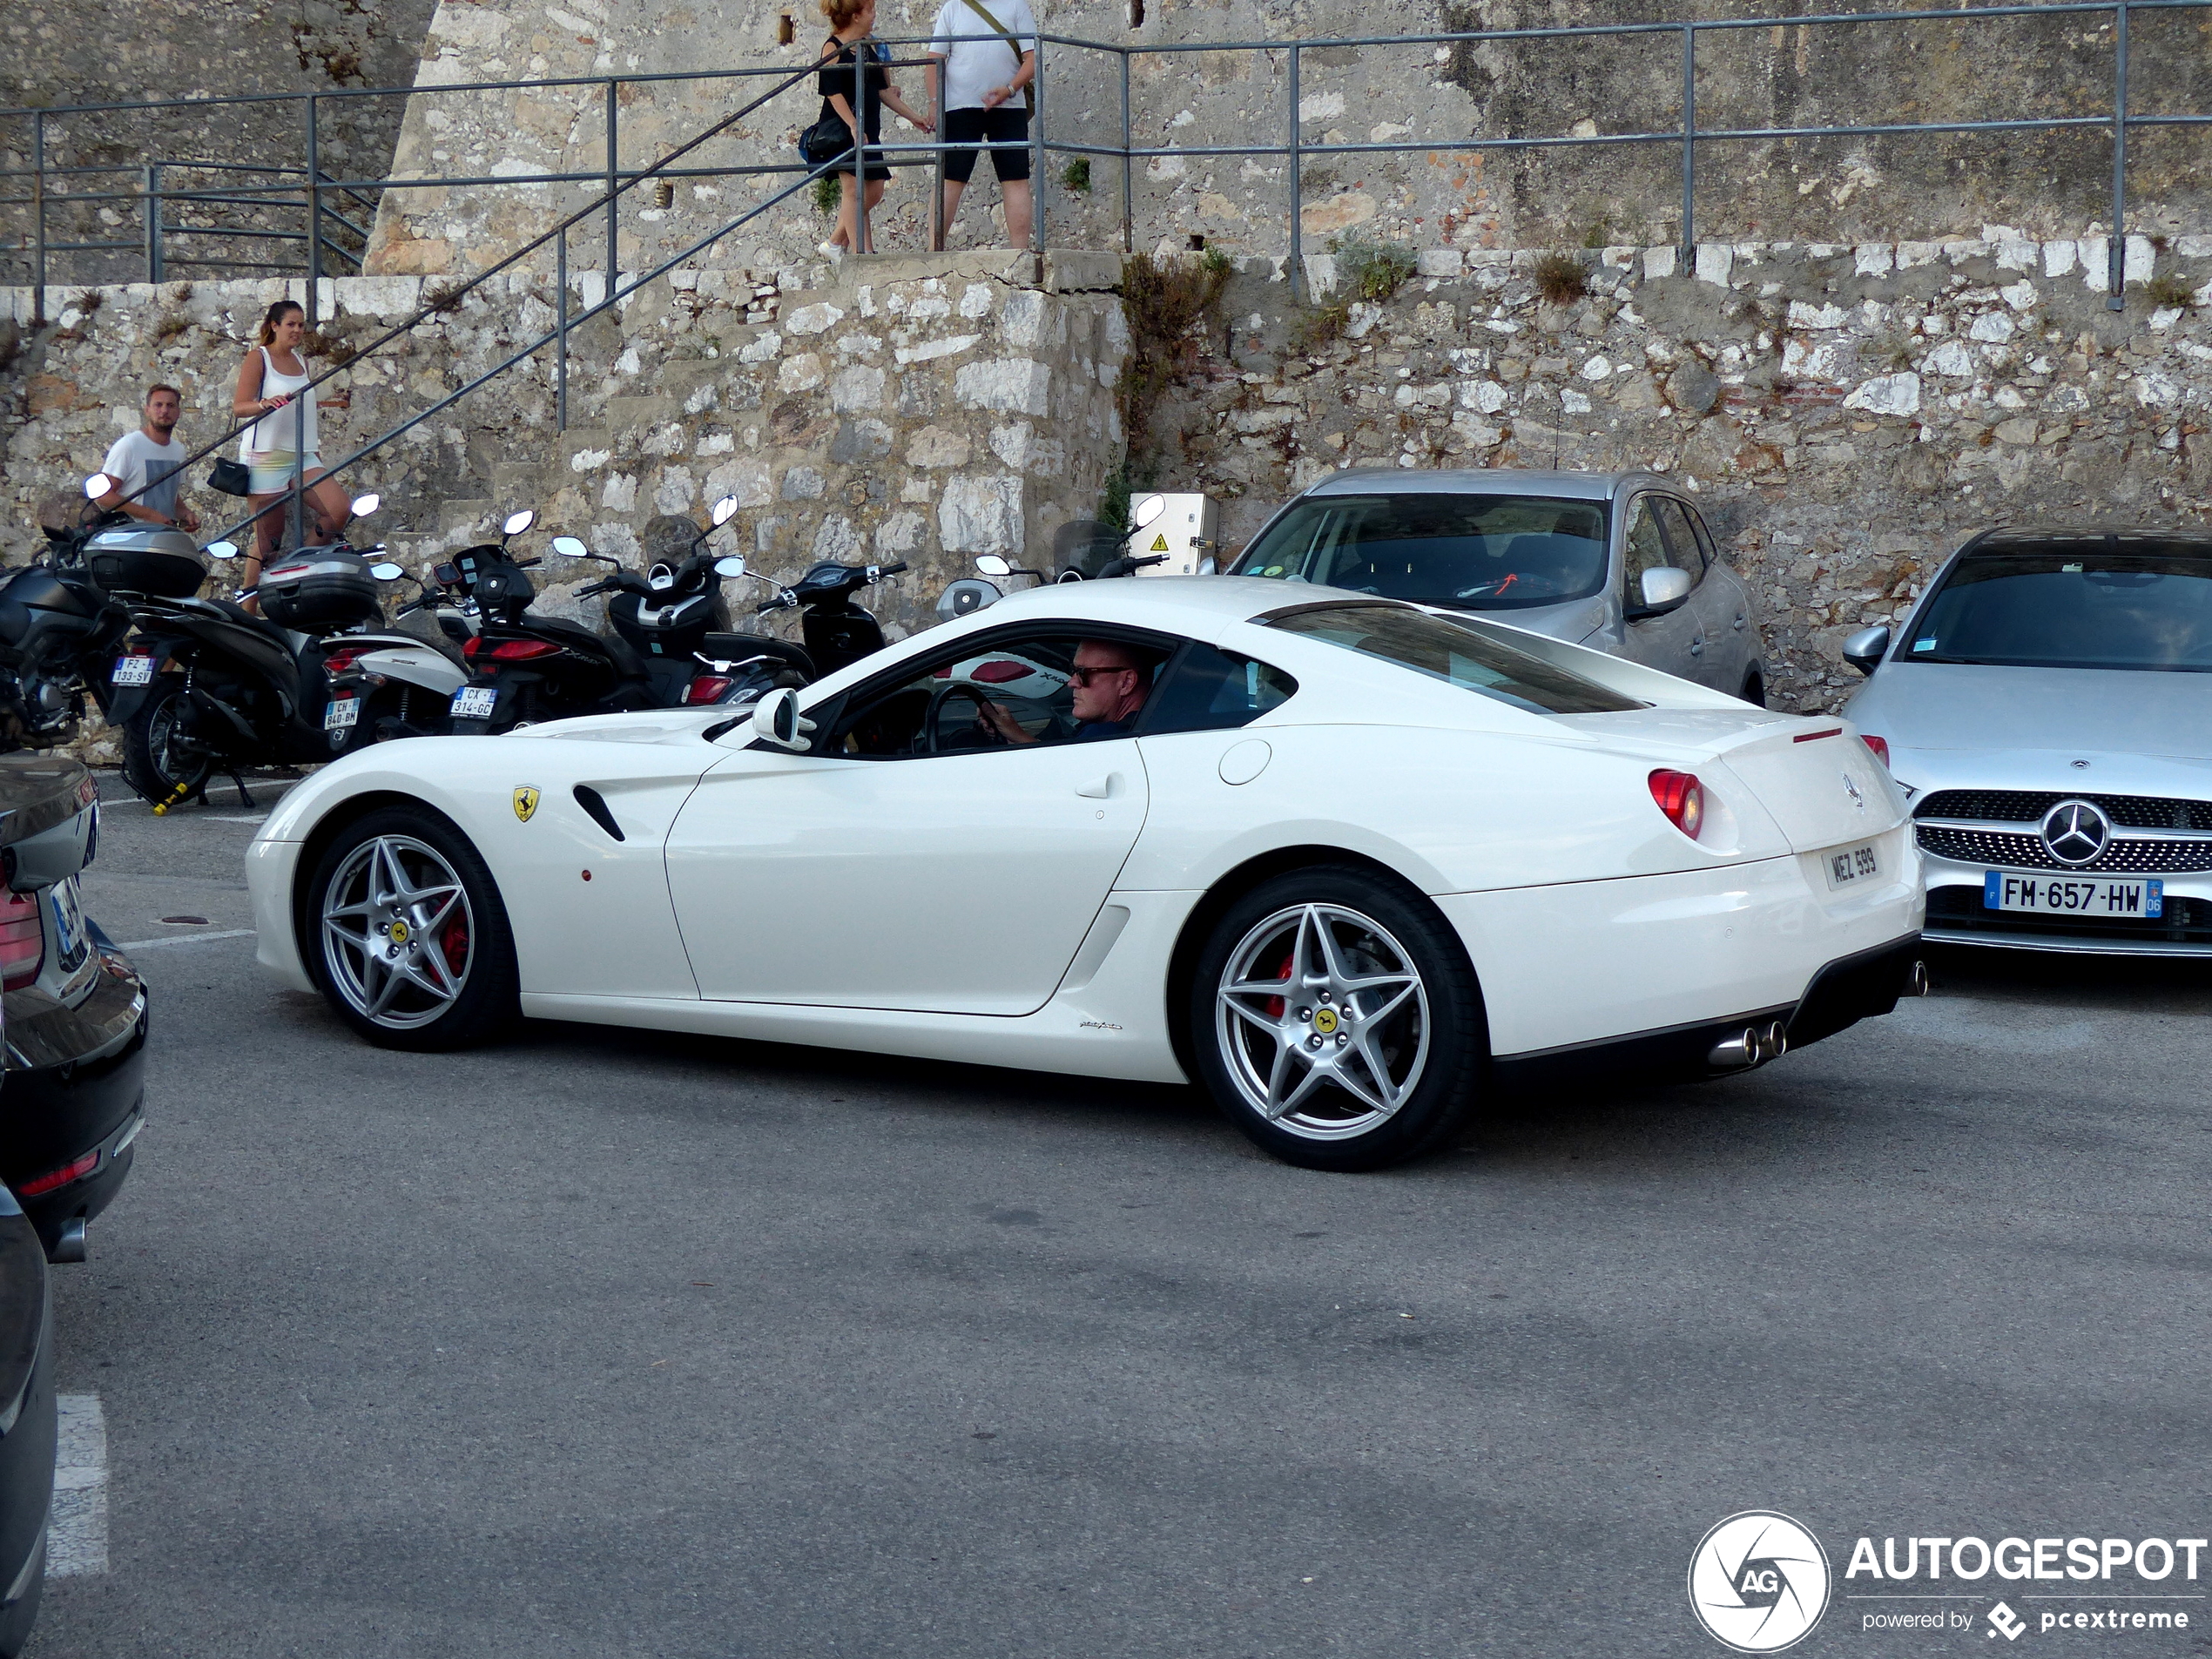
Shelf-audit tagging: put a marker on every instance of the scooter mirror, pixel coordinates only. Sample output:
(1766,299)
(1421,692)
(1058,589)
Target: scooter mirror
(729,566)
(222,550)
(98,485)
(966,597)
(724,511)
(364,505)
(568,548)
(992,565)
(517,522)
(386,571)
(1148,509)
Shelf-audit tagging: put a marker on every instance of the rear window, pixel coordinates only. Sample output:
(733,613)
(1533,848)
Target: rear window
(1470,552)
(2114,602)
(1465,654)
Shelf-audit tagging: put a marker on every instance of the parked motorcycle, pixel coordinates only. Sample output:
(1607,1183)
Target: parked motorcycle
(60,622)
(206,686)
(665,647)
(837,630)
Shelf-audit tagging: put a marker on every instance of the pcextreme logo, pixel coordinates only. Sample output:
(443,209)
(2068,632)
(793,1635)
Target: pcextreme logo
(1759,1582)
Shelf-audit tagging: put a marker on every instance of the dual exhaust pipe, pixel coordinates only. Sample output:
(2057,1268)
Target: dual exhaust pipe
(1753,1046)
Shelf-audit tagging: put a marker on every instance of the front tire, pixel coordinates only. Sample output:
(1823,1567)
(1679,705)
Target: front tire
(1336,1020)
(151,762)
(407,935)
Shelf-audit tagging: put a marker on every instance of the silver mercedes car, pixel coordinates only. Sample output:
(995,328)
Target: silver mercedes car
(2048,708)
(1621,561)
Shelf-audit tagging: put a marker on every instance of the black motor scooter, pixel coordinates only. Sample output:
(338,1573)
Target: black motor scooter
(837,632)
(206,686)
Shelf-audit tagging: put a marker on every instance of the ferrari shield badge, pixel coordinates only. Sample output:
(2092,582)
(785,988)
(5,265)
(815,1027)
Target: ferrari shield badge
(525,803)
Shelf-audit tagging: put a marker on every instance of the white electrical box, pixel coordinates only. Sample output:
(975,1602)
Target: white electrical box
(1180,527)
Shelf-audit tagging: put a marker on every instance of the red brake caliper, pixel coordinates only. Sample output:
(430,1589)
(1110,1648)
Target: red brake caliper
(1274,1004)
(453,941)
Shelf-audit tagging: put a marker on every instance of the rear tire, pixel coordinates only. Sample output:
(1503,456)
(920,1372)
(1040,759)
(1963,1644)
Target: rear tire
(151,764)
(407,936)
(1372,1052)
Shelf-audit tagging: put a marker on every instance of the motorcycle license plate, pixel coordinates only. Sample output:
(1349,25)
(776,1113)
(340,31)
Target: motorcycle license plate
(2079,895)
(342,712)
(474,703)
(132,670)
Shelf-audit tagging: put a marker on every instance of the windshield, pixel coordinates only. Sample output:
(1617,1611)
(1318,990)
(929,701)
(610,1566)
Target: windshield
(1462,654)
(2101,602)
(1476,552)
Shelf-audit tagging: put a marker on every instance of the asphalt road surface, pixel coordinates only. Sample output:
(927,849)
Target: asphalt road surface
(611,1343)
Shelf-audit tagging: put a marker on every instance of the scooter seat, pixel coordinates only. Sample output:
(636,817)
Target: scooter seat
(729,647)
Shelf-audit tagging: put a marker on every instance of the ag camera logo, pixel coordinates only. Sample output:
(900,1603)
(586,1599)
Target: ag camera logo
(1759,1582)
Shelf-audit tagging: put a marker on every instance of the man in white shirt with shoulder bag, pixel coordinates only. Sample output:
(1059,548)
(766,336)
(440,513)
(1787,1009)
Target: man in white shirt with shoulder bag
(984,55)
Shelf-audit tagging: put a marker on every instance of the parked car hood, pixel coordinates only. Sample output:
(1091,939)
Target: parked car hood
(1572,620)
(2078,710)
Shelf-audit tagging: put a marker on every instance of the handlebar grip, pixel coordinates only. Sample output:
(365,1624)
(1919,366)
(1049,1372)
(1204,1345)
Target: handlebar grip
(891,570)
(528,564)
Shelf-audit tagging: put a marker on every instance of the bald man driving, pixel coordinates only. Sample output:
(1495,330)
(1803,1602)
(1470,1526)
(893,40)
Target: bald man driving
(1110,681)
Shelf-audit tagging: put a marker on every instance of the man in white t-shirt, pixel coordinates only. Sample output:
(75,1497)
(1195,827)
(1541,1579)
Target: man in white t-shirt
(148,466)
(982,56)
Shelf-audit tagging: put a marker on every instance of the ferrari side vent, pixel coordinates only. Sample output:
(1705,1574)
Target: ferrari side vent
(596,804)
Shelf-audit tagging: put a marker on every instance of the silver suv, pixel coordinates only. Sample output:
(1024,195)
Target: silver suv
(1617,561)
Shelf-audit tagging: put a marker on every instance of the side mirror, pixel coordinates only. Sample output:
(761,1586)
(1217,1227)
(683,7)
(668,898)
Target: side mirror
(730,565)
(97,485)
(724,511)
(1146,510)
(517,522)
(364,505)
(1864,649)
(1664,590)
(221,549)
(1206,566)
(386,571)
(966,597)
(776,719)
(568,548)
(992,565)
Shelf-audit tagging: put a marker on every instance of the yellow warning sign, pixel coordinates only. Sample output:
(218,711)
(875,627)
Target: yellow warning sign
(1159,544)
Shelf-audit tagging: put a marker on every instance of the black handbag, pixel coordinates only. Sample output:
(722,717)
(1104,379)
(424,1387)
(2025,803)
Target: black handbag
(232,477)
(826,140)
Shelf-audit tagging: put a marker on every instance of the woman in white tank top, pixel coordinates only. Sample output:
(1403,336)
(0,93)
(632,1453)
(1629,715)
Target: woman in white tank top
(269,383)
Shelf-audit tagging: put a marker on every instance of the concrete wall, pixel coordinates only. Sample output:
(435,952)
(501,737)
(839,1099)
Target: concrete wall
(919,409)
(1839,189)
(1847,414)
(61,53)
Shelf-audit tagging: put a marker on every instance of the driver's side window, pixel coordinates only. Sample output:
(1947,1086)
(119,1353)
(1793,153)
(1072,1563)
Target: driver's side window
(1010,691)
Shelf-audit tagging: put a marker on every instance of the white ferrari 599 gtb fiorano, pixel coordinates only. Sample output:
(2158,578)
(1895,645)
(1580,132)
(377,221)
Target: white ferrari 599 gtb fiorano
(1351,863)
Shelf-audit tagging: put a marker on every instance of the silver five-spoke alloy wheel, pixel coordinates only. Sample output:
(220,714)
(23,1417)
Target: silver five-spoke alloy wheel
(1323,1021)
(398,935)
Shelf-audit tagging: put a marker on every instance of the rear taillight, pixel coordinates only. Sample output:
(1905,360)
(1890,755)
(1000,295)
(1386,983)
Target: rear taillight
(1880,745)
(706,688)
(339,661)
(1682,798)
(22,939)
(999,673)
(508,650)
(75,1169)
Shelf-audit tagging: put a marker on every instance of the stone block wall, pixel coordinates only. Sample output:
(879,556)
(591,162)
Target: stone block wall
(1848,414)
(923,410)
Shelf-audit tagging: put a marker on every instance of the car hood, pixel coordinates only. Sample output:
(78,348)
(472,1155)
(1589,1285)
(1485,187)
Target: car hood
(655,725)
(2079,712)
(1572,620)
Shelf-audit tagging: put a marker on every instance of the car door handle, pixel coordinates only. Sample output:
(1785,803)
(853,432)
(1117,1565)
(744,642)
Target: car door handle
(1741,618)
(1697,646)
(1098,788)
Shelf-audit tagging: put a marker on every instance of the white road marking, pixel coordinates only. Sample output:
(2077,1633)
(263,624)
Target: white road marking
(218,818)
(77,1536)
(184,939)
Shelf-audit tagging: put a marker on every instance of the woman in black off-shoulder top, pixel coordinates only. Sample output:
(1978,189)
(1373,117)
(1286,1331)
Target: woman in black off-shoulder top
(853,21)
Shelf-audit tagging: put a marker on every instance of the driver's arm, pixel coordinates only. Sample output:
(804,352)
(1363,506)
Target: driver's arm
(1004,722)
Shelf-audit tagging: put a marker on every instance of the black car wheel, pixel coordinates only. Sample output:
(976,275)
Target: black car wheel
(410,942)
(155,762)
(1336,1022)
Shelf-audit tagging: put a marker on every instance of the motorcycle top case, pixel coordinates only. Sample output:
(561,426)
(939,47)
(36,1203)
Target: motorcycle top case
(146,558)
(320,588)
